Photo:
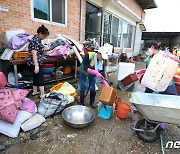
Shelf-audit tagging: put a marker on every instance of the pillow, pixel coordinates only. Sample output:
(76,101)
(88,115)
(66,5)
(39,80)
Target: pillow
(12,130)
(10,102)
(33,122)
(28,105)
(3,80)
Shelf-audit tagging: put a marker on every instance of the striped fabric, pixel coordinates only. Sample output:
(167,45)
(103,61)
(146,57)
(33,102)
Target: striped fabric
(12,130)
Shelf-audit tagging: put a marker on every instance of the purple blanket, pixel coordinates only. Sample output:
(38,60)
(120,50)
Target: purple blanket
(19,40)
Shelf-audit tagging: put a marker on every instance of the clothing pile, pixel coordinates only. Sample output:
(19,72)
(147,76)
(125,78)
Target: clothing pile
(62,46)
(16,41)
(58,48)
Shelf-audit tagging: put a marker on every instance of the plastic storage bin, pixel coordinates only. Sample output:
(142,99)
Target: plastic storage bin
(159,73)
(129,79)
(124,69)
(47,65)
(48,70)
(20,55)
(58,86)
(108,95)
(67,70)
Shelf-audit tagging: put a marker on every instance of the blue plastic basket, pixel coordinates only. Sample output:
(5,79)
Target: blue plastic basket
(48,70)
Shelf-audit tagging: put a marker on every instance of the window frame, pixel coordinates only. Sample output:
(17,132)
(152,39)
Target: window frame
(110,18)
(50,10)
(121,41)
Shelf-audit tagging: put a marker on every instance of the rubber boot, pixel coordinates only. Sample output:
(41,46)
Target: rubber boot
(92,98)
(82,98)
(162,127)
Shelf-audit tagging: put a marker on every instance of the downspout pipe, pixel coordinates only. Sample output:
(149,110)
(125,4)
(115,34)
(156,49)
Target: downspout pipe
(80,21)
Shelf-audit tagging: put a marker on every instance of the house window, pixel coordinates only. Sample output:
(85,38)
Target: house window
(127,35)
(117,32)
(107,28)
(115,28)
(53,11)
(130,36)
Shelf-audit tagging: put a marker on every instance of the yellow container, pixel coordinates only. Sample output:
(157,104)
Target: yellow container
(20,55)
(58,86)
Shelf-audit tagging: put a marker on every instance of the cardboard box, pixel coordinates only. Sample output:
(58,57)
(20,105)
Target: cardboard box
(108,95)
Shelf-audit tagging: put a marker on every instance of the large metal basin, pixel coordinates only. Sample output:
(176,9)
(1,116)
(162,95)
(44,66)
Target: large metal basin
(78,116)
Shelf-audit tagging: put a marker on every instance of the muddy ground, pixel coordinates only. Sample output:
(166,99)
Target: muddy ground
(113,136)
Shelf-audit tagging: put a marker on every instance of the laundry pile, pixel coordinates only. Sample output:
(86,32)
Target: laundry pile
(15,109)
(17,40)
(18,112)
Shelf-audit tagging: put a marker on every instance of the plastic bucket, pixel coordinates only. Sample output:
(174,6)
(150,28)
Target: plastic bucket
(118,100)
(123,110)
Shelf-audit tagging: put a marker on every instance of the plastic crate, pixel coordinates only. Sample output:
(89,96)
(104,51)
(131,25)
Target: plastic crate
(48,70)
(67,70)
(20,55)
(129,79)
(47,65)
(58,86)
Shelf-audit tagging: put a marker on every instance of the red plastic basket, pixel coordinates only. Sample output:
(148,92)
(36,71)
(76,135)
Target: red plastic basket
(47,65)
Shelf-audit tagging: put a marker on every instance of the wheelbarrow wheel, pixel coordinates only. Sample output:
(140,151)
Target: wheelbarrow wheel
(145,135)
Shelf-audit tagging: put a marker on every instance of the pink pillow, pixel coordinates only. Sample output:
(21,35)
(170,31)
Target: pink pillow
(28,105)
(10,102)
(3,80)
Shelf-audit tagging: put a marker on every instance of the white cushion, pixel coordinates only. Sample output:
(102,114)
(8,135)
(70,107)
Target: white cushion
(33,122)
(12,130)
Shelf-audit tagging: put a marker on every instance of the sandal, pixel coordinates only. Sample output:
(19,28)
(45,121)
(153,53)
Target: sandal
(35,93)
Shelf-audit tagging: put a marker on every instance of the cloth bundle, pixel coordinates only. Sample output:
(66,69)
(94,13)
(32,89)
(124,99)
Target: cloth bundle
(52,103)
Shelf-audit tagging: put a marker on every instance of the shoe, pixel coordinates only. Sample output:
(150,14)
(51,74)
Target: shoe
(92,98)
(34,94)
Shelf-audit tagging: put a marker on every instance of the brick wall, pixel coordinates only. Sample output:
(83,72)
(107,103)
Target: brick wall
(19,16)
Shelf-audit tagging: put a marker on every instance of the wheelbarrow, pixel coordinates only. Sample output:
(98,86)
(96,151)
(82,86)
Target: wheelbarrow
(156,109)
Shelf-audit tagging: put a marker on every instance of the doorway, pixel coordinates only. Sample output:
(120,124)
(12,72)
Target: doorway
(93,28)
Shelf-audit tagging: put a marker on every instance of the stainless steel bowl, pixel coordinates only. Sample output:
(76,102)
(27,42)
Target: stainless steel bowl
(78,116)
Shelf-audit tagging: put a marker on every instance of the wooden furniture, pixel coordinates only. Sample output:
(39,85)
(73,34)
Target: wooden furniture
(48,60)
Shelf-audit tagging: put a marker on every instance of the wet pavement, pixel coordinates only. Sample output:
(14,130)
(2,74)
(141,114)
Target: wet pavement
(113,136)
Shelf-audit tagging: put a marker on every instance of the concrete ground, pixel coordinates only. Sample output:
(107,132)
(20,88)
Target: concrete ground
(113,136)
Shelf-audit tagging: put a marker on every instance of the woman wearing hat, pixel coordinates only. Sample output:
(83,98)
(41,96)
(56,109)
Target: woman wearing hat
(151,48)
(89,70)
